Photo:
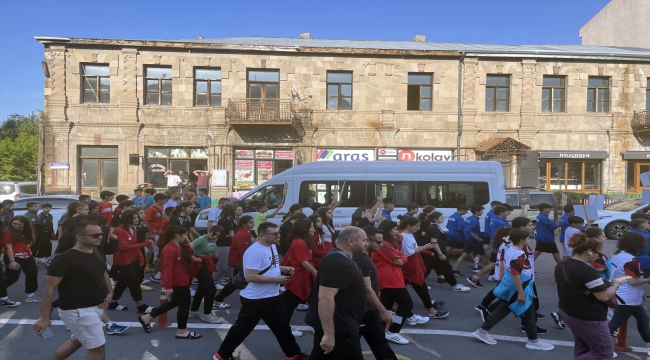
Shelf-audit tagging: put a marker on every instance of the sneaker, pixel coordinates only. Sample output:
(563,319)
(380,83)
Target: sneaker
(218,357)
(210,319)
(439,315)
(8,303)
(302,307)
(483,312)
(41,260)
(539,315)
(144,287)
(460,288)
(540,331)
(557,319)
(477,259)
(145,281)
(219,286)
(485,338)
(192,292)
(116,329)
(396,338)
(437,304)
(154,278)
(491,278)
(475,283)
(296,332)
(195,282)
(220,305)
(476,269)
(194,314)
(417,320)
(441,280)
(539,345)
(458,274)
(32,299)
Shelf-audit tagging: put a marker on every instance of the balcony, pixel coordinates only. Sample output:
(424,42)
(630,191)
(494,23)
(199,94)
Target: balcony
(641,121)
(261,112)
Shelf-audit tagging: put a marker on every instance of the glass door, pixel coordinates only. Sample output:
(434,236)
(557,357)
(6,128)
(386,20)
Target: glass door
(640,168)
(263,92)
(98,175)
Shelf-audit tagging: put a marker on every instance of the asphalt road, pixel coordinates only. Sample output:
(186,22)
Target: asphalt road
(438,339)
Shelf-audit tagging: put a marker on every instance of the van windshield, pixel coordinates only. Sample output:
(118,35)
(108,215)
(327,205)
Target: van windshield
(624,206)
(7,189)
(271,195)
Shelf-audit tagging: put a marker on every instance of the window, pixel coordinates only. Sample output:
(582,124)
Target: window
(96,83)
(535,200)
(28,189)
(207,87)
(570,175)
(419,92)
(497,93)
(553,94)
(271,195)
(263,84)
(598,94)
(339,90)
(160,159)
(159,86)
(647,95)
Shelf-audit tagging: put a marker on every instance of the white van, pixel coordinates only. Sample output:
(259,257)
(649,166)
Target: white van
(444,185)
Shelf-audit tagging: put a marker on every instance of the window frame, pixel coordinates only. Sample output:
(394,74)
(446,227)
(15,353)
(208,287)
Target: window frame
(160,90)
(208,93)
(339,95)
(495,100)
(552,100)
(596,100)
(98,91)
(420,97)
(563,182)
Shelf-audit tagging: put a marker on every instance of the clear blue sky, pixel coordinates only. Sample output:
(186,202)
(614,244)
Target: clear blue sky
(466,21)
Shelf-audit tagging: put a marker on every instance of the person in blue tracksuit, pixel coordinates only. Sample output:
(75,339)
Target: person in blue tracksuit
(455,224)
(500,219)
(473,240)
(487,233)
(545,238)
(564,224)
(642,227)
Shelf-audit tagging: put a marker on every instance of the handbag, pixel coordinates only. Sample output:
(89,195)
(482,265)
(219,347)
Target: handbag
(611,302)
(239,280)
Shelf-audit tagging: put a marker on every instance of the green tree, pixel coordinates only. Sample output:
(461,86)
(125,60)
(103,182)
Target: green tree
(19,147)
(16,124)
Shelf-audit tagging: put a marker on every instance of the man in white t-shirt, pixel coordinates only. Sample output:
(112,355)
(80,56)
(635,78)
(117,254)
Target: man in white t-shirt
(213,214)
(261,300)
(172,179)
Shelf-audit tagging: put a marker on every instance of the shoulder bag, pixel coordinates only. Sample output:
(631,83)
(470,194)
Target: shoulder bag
(239,280)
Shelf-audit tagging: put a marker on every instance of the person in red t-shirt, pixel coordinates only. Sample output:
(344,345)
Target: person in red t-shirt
(154,217)
(17,240)
(105,206)
(299,256)
(240,242)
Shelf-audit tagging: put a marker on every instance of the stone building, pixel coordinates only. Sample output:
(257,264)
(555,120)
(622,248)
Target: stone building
(619,23)
(120,112)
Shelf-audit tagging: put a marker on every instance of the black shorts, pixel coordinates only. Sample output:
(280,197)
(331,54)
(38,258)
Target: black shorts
(486,240)
(547,247)
(456,244)
(493,257)
(474,247)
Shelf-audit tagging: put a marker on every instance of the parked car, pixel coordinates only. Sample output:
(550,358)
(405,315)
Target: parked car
(59,205)
(14,190)
(615,217)
(201,222)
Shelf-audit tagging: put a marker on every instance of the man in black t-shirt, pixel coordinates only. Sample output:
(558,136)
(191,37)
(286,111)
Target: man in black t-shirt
(372,328)
(84,289)
(338,300)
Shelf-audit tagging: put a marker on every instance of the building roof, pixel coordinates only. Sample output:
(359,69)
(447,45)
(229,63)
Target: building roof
(297,44)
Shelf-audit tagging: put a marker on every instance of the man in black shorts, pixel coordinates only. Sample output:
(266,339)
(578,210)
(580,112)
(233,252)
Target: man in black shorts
(473,240)
(545,238)
(455,225)
(84,289)
(338,300)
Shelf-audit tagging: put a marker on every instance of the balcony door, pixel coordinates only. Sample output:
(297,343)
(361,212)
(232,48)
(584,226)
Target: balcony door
(263,92)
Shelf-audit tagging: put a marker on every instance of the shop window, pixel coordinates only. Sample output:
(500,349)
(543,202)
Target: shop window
(158,88)
(419,92)
(255,166)
(270,195)
(634,169)
(570,175)
(497,93)
(553,94)
(207,87)
(339,90)
(598,94)
(183,160)
(96,83)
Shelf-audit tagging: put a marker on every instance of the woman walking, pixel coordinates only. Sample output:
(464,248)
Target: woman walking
(318,239)
(18,255)
(175,262)
(228,220)
(329,237)
(205,248)
(299,256)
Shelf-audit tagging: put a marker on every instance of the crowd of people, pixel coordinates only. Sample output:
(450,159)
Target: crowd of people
(352,283)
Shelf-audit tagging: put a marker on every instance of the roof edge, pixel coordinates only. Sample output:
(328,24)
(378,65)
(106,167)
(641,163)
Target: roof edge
(47,39)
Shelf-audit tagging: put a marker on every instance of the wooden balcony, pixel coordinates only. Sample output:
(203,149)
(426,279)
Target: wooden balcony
(261,112)
(641,121)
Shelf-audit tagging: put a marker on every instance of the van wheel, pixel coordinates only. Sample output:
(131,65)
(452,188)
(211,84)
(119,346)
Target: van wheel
(616,229)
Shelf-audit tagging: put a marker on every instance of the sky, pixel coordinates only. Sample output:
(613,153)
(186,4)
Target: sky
(464,21)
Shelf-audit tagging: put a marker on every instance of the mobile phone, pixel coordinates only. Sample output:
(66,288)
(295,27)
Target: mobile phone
(47,333)
(397,319)
(623,278)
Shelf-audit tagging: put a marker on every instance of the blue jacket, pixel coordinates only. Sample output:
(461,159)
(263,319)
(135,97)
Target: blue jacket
(506,291)
(455,225)
(472,225)
(495,225)
(545,228)
(386,213)
(564,224)
(488,219)
(644,258)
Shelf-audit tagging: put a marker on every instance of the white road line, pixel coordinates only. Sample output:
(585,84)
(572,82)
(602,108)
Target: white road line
(307,328)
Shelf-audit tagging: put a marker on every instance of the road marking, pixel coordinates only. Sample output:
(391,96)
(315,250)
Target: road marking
(309,329)
(399,357)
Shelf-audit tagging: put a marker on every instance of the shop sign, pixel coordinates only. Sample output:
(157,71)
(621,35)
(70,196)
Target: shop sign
(284,154)
(157,168)
(244,177)
(636,155)
(264,154)
(60,166)
(425,155)
(264,171)
(345,155)
(386,154)
(245,154)
(574,154)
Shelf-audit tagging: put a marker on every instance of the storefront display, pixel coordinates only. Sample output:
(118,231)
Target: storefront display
(636,163)
(182,160)
(571,170)
(253,167)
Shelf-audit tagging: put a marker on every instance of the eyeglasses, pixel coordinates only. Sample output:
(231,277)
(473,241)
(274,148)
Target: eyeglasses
(96,236)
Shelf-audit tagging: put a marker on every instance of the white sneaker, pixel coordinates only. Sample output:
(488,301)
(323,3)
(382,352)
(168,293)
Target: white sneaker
(302,307)
(219,286)
(295,332)
(539,345)
(32,299)
(396,338)
(491,278)
(145,281)
(195,314)
(460,288)
(195,282)
(155,278)
(192,292)
(210,319)
(485,338)
(417,320)
(428,287)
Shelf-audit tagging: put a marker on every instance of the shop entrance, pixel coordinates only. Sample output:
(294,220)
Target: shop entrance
(99,169)
(633,171)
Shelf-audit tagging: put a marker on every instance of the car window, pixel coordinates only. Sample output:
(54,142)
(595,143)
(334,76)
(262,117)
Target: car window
(623,206)
(7,189)
(27,189)
(512,199)
(536,199)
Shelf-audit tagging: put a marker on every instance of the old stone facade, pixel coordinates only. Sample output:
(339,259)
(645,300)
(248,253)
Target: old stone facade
(252,140)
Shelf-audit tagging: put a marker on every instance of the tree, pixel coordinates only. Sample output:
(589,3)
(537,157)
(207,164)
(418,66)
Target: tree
(19,147)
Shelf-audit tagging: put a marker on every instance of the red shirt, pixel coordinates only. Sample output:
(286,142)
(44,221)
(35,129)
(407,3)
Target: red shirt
(318,251)
(300,282)
(106,210)
(389,274)
(173,268)
(154,217)
(240,242)
(21,249)
(202,180)
(128,247)
(117,210)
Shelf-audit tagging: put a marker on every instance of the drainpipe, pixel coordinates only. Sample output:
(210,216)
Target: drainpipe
(460,104)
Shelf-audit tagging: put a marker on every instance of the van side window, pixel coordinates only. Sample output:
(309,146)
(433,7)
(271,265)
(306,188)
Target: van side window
(400,192)
(272,195)
(28,189)
(442,194)
(353,193)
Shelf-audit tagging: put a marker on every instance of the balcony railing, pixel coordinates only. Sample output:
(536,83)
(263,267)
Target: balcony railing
(641,121)
(260,111)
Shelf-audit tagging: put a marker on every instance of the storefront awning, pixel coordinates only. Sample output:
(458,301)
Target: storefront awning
(636,155)
(603,155)
(503,146)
